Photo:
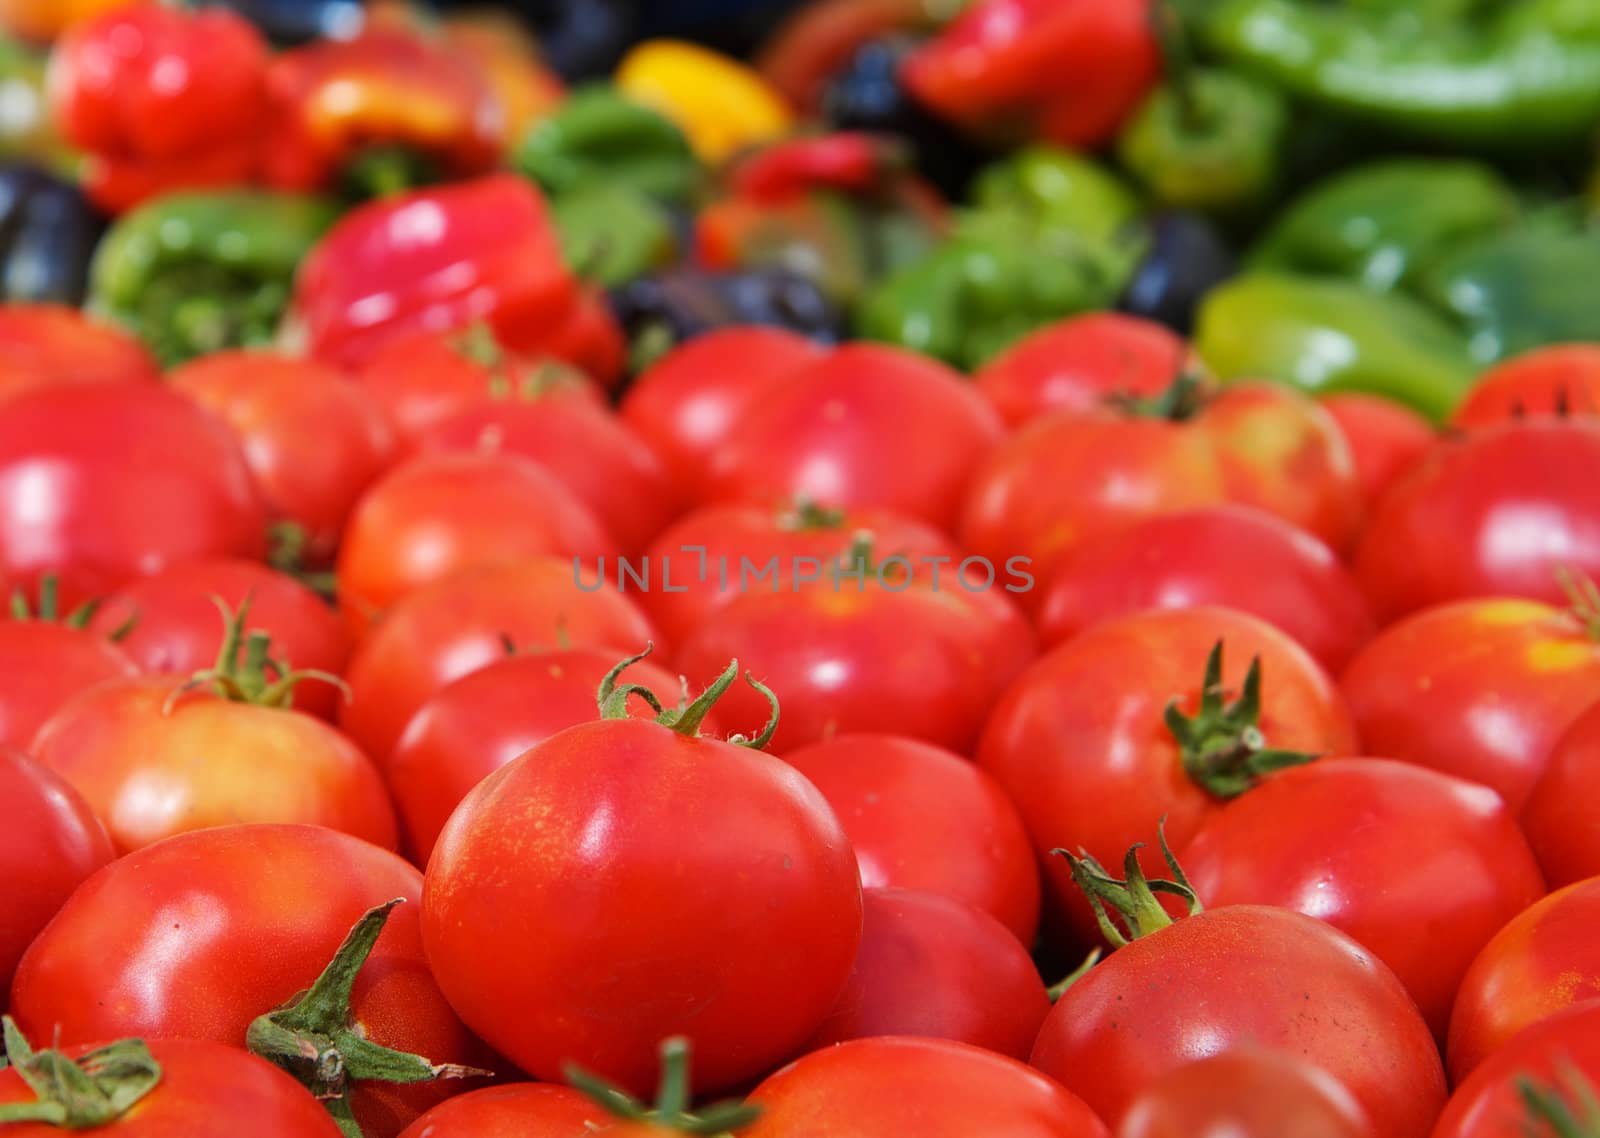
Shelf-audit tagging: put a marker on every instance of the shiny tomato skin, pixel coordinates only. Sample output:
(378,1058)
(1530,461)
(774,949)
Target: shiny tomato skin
(259,910)
(50,843)
(1559,817)
(1489,1104)
(46,344)
(1438,868)
(1494,512)
(923,818)
(1539,963)
(1385,437)
(687,404)
(1560,381)
(132,756)
(461,624)
(516,1110)
(1247,973)
(1478,689)
(479,723)
(727,908)
(80,465)
(1079,743)
(1246,1092)
(1077,363)
(936,967)
(1236,556)
(207,1090)
(932,1088)
(174,625)
(442,513)
(45,664)
(865,425)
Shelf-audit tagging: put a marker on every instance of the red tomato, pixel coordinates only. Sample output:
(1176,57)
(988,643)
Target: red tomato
(1245,1093)
(932,1088)
(313,441)
(479,723)
(1544,960)
(47,344)
(131,750)
(460,624)
(220,926)
(1076,363)
(711,555)
(446,512)
(1080,744)
(687,403)
(519,1110)
(174,625)
(923,818)
(1385,437)
(206,1090)
(50,843)
(622,883)
(1478,689)
(1560,380)
(1419,868)
(936,967)
(1234,556)
(46,663)
(1550,1054)
(1559,817)
(865,425)
(81,466)
(1495,512)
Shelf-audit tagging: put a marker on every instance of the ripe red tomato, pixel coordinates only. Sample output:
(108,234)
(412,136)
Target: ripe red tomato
(1247,1092)
(1560,380)
(1495,512)
(936,967)
(622,883)
(1076,363)
(46,663)
(81,465)
(173,625)
(462,623)
(46,344)
(442,513)
(206,1090)
(687,403)
(1419,868)
(50,843)
(932,1088)
(1080,744)
(130,748)
(518,1110)
(923,818)
(220,926)
(1544,960)
(865,425)
(1385,437)
(1478,689)
(1235,556)
(1550,1054)
(1559,817)
(313,440)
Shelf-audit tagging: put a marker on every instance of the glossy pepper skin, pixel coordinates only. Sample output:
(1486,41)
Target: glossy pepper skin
(720,104)
(192,274)
(48,233)
(1062,71)
(598,134)
(1058,188)
(380,112)
(160,99)
(1508,74)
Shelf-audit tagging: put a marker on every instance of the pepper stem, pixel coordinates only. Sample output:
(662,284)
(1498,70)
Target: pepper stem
(1550,1113)
(1134,898)
(688,715)
(80,1094)
(671,1108)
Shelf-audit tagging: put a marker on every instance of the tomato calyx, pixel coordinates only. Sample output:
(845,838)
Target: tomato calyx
(1549,1111)
(78,1094)
(288,551)
(510,376)
(1059,988)
(1189,394)
(246,671)
(1583,600)
(688,715)
(48,609)
(806,515)
(1224,751)
(670,1112)
(313,1039)
(1133,898)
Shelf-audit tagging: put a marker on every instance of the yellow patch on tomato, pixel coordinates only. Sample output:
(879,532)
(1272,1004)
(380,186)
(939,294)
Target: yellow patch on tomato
(1559,655)
(1509,612)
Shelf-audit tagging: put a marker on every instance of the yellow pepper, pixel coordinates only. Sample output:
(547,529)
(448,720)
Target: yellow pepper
(41,21)
(721,105)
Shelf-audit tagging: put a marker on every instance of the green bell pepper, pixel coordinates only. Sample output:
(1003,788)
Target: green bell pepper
(1508,73)
(597,134)
(196,273)
(1386,223)
(613,233)
(1057,189)
(1332,335)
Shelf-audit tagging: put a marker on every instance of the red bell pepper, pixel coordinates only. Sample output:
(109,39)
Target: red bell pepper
(407,107)
(852,162)
(444,258)
(160,99)
(1062,71)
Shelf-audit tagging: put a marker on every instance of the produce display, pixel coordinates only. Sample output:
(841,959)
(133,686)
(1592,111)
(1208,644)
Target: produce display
(800,568)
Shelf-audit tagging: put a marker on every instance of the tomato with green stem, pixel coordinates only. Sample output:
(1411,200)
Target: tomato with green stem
(1559,381)
(1542,1082)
